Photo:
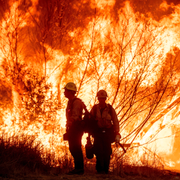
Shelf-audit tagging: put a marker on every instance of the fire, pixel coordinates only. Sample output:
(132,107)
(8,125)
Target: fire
(130,55)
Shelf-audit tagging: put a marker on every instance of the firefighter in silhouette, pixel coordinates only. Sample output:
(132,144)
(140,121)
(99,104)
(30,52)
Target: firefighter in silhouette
(105,133)
(74,130)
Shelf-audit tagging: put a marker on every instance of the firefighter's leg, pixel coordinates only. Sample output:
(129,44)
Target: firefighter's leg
(99,153)
(76,150)
(106,163)
(107,153)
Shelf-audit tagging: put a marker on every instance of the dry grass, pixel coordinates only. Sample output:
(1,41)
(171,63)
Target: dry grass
(21,157)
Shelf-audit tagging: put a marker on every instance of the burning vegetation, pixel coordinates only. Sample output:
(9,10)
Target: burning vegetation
(130,51)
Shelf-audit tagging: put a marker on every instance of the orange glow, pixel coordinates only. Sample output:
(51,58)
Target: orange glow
(129,54)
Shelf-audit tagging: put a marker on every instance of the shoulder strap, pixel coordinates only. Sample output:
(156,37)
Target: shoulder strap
(84,106)
(110,109)
(95,109)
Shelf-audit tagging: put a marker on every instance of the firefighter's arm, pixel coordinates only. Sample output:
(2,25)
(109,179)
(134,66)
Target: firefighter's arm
(116,126)
(76,112)
(92,112)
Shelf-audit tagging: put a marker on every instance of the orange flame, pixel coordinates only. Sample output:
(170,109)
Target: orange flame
(110,53)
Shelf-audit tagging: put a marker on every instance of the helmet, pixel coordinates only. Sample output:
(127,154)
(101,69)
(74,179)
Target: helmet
(102,94)
(71,86)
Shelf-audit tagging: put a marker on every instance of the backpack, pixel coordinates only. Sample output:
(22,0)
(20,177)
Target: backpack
(87,121)
(78,125)
(89,124)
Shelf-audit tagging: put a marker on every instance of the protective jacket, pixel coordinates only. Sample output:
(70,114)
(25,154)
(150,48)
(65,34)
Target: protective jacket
(74,111)
(105,117)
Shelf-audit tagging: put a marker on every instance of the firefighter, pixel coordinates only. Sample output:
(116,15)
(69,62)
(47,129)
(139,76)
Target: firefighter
(74,130)
(107,131)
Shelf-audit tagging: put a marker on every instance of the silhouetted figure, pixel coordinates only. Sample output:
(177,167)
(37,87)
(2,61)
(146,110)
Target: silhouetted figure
(106,132)
(74,127)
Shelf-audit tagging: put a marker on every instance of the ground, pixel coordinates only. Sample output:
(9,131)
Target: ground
(112,177)
(93,176)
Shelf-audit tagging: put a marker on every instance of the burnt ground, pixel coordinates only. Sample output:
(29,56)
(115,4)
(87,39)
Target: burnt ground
(94,176)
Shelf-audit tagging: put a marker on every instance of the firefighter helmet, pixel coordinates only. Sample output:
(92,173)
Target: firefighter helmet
(102,94)
(71,86)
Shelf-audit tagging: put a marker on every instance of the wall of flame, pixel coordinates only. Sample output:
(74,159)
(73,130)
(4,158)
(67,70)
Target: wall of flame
(63,39)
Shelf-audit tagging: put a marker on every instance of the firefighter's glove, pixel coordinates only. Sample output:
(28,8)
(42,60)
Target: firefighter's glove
(117,138)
